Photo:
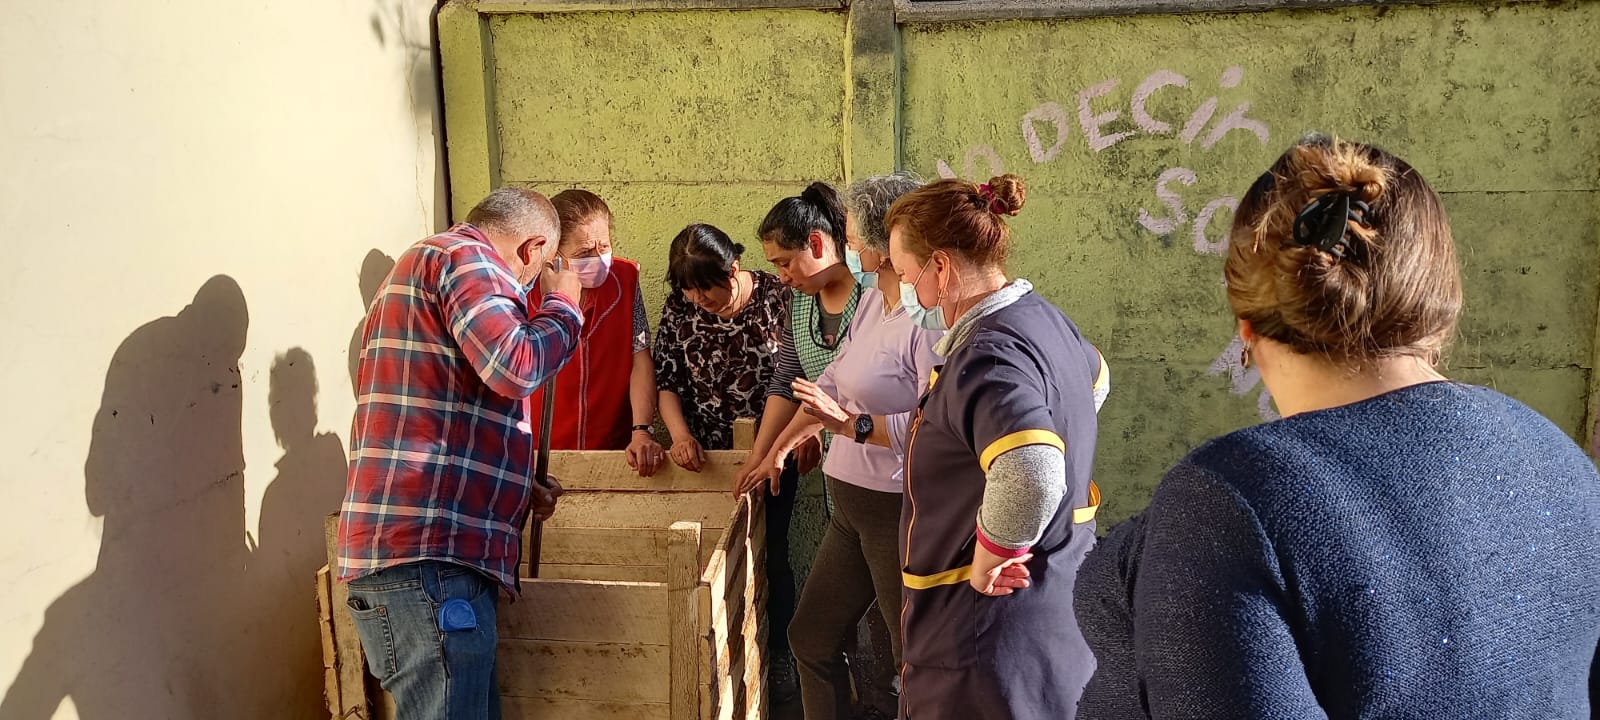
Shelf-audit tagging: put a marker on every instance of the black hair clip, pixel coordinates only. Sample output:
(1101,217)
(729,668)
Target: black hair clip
(1325,223)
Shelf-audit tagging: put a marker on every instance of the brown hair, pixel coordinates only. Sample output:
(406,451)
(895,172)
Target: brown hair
(959,217)
(576,207)
(1381,281)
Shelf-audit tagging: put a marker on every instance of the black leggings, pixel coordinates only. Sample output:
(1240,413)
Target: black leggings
(780,573)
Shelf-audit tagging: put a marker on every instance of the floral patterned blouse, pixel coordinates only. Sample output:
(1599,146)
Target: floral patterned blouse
(719,367)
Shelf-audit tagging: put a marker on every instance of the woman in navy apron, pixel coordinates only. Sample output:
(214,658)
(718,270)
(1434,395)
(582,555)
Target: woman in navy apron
(999,508)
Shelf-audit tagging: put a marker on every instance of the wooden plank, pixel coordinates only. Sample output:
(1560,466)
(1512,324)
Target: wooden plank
(330,655)
(587,611)
(628,673)
(706,640)
(604,546)
(738,625)
(590,470)
(641,510)
(683,579)
(744,434)
(755,678)
(727,610)
(351,661)
(757,626)
(627,573)
(730,684)
(734,529)
(497,7)
(615,546)
(521,708)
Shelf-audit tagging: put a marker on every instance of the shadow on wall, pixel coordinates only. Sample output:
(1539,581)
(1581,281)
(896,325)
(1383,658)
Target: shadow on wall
(308,486)
(375,270)
(177,620)
(399,24)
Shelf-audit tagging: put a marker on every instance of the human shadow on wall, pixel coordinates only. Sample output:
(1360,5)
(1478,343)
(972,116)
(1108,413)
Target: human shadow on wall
(395,25)
(374,270)
(308,486)
(155,630)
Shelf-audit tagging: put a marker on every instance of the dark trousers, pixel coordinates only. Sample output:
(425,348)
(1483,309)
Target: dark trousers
(858,565)
(780,573)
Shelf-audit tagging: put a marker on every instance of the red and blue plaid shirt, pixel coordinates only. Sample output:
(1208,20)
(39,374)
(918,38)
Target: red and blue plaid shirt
(438,468)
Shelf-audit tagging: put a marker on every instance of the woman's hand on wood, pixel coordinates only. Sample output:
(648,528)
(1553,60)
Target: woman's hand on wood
(687,453)
(645,454)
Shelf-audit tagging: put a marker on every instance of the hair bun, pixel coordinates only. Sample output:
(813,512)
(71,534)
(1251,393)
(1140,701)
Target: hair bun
(820,194)
(1004,195)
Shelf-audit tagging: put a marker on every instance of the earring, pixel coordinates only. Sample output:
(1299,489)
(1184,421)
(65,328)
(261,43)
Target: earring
(1244,356)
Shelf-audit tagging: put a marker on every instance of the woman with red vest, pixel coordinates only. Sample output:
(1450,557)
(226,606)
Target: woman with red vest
(606,395)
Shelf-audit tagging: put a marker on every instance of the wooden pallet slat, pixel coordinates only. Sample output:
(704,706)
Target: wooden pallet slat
(607,470)
(604,546)
(588,611)
(520,708)
(683,579)
(352,663)
(330,654)
(625,573)
(626,673)
(639,510)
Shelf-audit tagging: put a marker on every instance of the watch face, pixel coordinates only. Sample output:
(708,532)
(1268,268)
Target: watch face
(864,425)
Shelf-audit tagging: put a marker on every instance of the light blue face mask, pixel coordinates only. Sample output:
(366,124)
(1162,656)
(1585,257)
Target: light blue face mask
(852,260)
(925,318)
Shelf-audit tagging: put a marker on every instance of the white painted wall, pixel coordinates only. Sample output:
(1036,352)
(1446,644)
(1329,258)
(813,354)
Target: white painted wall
(189,191)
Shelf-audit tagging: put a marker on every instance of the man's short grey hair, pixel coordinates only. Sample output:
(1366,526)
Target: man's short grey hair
(517,211)
(868,201)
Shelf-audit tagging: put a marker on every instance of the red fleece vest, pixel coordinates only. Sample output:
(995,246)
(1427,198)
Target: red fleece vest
(592,410)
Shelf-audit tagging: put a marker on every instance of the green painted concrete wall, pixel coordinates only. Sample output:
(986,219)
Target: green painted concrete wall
(1495,105)
(1135,133)
(672,117)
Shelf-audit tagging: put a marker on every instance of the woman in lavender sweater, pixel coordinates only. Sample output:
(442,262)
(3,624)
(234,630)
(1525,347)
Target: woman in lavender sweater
(878,375)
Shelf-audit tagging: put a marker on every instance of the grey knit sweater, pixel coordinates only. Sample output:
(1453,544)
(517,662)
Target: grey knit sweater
(1432,553)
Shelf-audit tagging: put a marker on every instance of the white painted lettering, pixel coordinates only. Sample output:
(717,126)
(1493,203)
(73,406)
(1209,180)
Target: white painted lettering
(1163,226)
(1141,95)
(1051,113)
(1092,122)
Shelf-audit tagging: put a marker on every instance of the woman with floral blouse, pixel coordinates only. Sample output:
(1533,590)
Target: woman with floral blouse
(716,344)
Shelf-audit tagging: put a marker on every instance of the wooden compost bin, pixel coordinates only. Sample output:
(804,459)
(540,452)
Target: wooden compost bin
(650,605)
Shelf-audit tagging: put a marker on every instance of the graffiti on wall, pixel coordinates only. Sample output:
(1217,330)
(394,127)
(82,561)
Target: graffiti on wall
(1099,125)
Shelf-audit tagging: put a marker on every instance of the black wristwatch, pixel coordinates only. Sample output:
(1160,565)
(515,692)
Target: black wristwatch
(863,427)
(645,429)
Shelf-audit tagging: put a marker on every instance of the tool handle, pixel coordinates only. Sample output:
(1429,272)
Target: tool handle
(541,461)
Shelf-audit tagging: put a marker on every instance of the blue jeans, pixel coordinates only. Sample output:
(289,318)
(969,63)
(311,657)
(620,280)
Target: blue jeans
(432,674)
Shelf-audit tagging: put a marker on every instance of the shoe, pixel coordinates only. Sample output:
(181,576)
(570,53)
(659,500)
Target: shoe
(783,682)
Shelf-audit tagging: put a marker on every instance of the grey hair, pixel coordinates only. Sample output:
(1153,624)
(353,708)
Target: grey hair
(517,211)
(868,200)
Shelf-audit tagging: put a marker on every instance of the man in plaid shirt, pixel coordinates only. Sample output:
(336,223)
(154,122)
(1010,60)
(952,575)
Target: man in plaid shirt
(440,483)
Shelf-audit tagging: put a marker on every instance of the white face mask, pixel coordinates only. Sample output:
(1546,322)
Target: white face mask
(592,270)
(925,318)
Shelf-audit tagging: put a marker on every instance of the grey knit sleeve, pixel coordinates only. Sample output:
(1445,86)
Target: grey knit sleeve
(1023,492)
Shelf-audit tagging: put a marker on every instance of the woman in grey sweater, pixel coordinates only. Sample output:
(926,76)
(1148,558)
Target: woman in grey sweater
(1399,545)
